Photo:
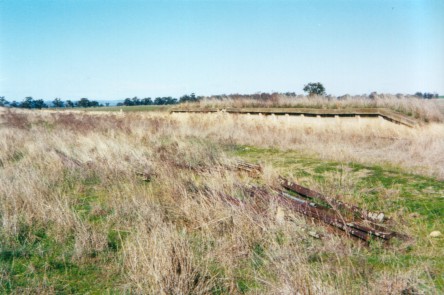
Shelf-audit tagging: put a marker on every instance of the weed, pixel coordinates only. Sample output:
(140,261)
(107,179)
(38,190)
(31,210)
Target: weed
(76,217)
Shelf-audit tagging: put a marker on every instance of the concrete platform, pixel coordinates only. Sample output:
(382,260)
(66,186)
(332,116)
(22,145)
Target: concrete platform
(386,114)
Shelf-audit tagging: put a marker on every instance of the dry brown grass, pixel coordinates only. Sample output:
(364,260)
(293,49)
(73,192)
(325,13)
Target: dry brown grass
(373,141)
(426,110)
(74,175)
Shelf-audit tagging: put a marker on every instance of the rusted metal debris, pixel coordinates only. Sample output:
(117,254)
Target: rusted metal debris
(355,221)
(318,212)
(314,212)
(336,204)
(332,217)
(67,160)
(248,166)
(253,170)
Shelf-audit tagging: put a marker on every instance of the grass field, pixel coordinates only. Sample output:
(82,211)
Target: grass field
(106,202)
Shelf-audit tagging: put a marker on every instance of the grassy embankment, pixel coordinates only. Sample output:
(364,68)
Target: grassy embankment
(76,217)
(422,109)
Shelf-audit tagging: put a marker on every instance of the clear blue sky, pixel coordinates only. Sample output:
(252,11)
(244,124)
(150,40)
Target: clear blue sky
(113,49)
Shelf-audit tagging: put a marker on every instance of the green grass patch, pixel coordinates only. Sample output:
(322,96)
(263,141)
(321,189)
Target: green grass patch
(36,261)
(414,193)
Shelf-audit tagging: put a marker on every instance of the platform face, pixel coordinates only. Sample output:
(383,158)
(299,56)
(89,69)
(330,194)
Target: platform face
(383,113)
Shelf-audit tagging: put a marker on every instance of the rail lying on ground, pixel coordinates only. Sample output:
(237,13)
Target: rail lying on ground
(345,220)
(349,218)
(384,113)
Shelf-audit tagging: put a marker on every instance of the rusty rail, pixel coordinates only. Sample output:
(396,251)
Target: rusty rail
(321,213)
(306,192)
(261,196)
(252,169)
(309,211)
(329,216)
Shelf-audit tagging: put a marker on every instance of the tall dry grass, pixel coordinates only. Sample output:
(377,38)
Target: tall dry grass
(176,235)
(372,141)
(423,109)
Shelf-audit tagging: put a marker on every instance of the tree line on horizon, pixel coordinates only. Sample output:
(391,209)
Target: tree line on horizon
(311,89)
(30,103)
(166,100)
(427,95)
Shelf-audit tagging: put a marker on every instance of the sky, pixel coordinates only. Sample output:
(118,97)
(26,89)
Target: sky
(113,49)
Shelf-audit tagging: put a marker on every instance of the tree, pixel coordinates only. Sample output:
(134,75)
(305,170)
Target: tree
(39,104)
(30,103)
(170,100)
(58,103)
(136,101)
(94,103)
(428,95)
(147,101)
(27,103)
(373,95)
(314,89)
(3,101)
(83,103)
(189,98)
(419,94)
(159,101)
(164,100)
(128,102)
(69,104)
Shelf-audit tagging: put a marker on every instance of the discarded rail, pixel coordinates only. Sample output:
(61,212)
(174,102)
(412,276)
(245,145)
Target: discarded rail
(336,204)
(383,113)
(305,203)
(310,211)
(333,218)
(347,217)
